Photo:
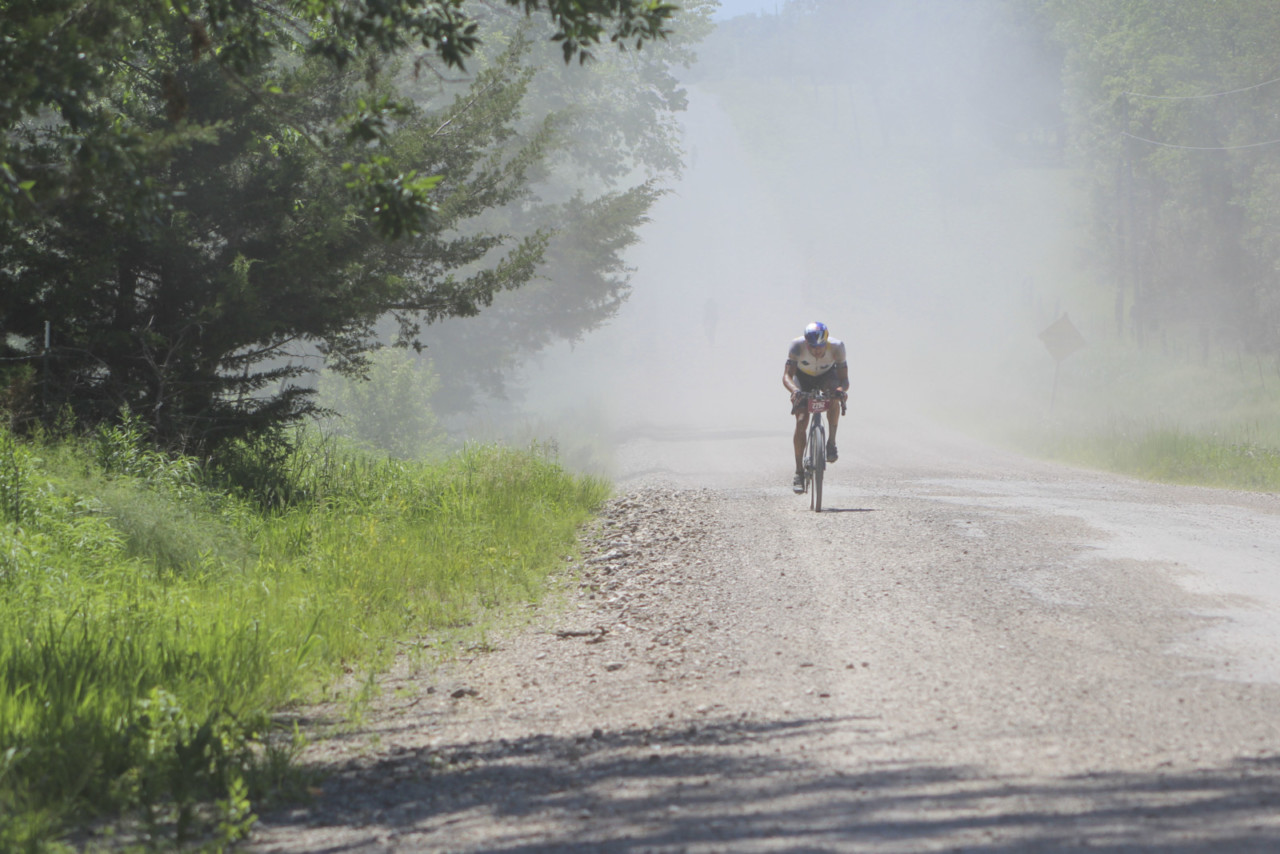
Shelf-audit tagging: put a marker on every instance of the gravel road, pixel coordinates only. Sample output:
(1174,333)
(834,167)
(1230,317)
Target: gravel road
(968,651)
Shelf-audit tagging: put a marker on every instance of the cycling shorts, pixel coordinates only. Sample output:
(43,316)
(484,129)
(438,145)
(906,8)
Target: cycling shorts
(808,382)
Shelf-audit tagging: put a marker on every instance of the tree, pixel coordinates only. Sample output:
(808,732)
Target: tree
(583,283)
(218,212)
(618,142)
(67,61)
(1172,112)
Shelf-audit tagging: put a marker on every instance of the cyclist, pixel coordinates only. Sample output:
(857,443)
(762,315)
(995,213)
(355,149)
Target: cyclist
(815,361)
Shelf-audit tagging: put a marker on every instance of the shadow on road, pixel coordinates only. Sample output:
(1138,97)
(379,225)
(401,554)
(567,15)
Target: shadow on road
(734,785)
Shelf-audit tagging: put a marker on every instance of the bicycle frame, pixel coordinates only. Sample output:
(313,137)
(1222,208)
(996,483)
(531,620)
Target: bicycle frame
(815,451)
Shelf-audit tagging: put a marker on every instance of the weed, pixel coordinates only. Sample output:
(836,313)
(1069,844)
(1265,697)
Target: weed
(13,485)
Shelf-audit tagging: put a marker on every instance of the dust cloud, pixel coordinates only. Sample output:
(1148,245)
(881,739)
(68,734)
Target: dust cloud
(898,204)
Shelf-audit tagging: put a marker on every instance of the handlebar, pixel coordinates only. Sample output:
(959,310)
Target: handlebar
(823,395)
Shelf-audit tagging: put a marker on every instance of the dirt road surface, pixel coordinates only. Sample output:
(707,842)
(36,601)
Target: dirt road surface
(968,651)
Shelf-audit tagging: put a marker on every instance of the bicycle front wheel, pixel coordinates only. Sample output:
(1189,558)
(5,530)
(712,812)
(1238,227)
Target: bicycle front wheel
(818,440)
(815,497)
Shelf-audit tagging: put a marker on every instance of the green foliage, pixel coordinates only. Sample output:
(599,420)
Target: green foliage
(14,485)
(262,469)
(19,393)
(62,60)
(145,698)
(611,139)
(215,186)
(1176,125)
(184,309)
(389,409)
(586,282)
(124,448)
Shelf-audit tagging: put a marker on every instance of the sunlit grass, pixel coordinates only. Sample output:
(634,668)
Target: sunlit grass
(150,626)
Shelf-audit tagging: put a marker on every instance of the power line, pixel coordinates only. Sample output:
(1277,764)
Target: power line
(1201,97)
(1157,142)
(1160,144)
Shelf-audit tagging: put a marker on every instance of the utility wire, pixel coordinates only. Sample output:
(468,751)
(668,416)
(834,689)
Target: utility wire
(1160,144)
(1201,97)
(1157,142)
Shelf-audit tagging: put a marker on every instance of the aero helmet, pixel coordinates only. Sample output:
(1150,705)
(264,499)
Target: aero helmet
(816,334)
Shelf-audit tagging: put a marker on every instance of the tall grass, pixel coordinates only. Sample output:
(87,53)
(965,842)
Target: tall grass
(1148,414)
(151,624)
(1163,452)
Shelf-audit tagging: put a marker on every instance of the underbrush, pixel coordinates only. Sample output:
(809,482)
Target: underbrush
(156,614)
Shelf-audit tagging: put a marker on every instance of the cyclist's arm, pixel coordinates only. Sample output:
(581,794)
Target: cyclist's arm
(842,376)
(789,381)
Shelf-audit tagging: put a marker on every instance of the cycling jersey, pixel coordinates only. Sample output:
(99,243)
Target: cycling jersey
(807,362)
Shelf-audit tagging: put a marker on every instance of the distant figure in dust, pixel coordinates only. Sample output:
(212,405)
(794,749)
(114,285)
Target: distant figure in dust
(815,361)
(710,315)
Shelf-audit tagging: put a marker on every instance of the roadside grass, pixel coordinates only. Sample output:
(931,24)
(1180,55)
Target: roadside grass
(1163,453)
(156,615)
(1212,422)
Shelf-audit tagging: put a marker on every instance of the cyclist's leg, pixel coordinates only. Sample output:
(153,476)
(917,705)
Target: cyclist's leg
(800,435)
(797,481)
(833,420)
(806,383)
(802,428)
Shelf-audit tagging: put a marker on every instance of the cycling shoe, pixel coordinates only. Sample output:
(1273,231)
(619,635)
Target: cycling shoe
(832,453)
(797,483)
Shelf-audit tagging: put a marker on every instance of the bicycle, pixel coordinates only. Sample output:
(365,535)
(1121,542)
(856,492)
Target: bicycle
(815,449)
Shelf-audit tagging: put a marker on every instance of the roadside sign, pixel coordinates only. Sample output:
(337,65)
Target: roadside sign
(1062,338)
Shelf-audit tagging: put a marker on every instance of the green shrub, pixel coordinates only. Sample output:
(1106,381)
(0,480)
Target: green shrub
(390,409)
